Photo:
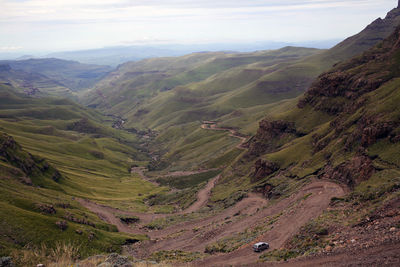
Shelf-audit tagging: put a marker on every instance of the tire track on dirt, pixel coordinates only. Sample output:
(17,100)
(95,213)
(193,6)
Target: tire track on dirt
(287,224)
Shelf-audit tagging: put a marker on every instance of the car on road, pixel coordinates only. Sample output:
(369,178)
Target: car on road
(260,246)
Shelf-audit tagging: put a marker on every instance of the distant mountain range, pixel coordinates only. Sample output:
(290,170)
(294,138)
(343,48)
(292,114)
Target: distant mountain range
(116,55)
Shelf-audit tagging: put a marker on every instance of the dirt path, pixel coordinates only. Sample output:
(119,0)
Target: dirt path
(232,132)
(310,202)
(202,196)
(380,255)
(109,214)
(286,218)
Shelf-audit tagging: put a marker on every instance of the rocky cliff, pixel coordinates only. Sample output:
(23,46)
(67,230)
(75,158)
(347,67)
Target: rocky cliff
(30,169)
(362,133)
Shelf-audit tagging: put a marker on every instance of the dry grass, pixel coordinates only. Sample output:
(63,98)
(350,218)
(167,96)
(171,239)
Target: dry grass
(63,254)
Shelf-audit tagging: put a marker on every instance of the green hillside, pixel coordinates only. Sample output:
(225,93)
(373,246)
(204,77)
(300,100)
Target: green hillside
(234,89)
(53,151)
(72,74)
(50,76)
(346,128)
(185,88)
(158,93)
(32,84)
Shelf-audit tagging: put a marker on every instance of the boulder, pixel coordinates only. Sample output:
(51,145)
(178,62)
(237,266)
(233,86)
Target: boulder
(63,225)
(6,262)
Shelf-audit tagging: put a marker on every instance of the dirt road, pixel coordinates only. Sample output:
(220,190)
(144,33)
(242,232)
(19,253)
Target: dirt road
(232,132)
(285,217)
(202,196)
(110,215)
(296,211)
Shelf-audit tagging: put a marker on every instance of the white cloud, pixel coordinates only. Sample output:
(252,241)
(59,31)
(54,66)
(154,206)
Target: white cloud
(73,23)
(10,48)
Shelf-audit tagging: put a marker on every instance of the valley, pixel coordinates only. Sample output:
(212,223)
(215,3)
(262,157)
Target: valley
(190,160)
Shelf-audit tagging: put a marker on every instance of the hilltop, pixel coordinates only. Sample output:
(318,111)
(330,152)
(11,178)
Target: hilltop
(50,76)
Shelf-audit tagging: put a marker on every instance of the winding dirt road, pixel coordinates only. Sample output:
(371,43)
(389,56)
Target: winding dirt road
(293,212)
(285,218)
(202,196)
(232,132)
(110,215)
(279,221)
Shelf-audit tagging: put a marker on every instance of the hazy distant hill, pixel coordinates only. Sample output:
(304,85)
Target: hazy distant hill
(184,89)
(71,74)
(200,86)
(114,56)
(32,83)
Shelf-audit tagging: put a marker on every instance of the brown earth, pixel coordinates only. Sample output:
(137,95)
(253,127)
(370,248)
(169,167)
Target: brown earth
(382,255)
(110,214)
(202,196)
(194,235)
(293,212)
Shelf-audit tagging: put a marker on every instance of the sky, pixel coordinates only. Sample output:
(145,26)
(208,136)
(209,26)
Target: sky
(57,25)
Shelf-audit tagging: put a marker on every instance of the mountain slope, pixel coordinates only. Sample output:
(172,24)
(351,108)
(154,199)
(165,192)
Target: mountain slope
(32,84)
(346,129)
(50,76)
(51,152)
(211,85)
(235,90)
(71,74)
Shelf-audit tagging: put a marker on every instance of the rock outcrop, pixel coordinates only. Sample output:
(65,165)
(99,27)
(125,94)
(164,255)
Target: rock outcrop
(31,166)
(340,89)
(352,172)
(269,136)
(264,168)
(6,262)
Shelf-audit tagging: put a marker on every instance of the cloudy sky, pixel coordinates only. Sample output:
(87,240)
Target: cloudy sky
(53,25)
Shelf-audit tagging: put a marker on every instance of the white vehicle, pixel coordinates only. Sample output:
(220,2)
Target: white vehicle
(260,246)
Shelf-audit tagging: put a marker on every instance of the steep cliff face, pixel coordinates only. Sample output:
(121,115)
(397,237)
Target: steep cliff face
(270,136)
(360,139)
(342,88)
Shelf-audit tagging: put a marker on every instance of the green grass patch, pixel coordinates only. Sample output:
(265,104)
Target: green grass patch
(182,182)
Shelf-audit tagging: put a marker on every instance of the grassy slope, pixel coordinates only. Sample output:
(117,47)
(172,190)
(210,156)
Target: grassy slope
(358,140)
(93,164)
(31,82)
(70,74)
(50,77)
(170,95)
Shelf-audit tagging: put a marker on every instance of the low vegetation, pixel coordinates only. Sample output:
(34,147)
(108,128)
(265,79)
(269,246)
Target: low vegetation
(187,181)
(175,256)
